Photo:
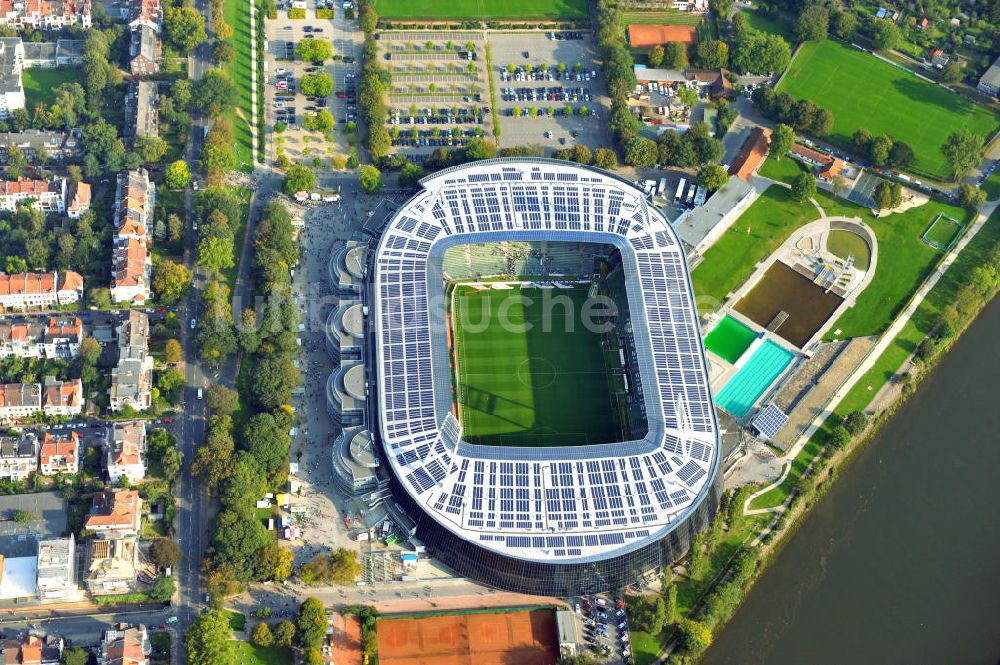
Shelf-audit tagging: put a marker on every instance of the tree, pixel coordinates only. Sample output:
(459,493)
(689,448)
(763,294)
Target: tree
(812,24)
(804,187)
(840,437)
(713,54)
(855,422)
(213,460)
(267,441)
(952,71)
(479,148)
(971,197)
(209,640)
(261,635)
(272,380)
(298,178)
(695,636)
(284,634)
(712,177)
(163,588)
(75,656)
(782,140)
(215,253)
(761,53)
(885,35)
(215,93)
(675,55)
(275,563)
(844,23)
(172,351)
(687,96)
(370,179)
(170,280)
(861,139)
(314,50)
(656,56)
(221,401)
(641,152)
(177,175)
(316,85)
(312,657)
(879,148)
(901,155)
(670,599)
(223,53)
(165,553)
(311,623)
(605,158)
(963,150)
(184,27)
(410,174)
(581,154)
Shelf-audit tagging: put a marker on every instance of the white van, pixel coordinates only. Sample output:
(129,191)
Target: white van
(201,393)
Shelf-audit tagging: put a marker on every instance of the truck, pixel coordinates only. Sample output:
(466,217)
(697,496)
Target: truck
(662,187)
(680,190)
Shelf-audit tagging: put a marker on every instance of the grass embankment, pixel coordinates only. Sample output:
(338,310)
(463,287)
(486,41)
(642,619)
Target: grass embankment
(237,13)
(663,17)
(923,321)
(775,26)
(515,10)
(230,274)
(863,91)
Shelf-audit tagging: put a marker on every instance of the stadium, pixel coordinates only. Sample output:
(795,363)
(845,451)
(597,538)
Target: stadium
(541,394)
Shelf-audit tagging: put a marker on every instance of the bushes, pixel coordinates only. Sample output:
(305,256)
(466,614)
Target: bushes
(296,13)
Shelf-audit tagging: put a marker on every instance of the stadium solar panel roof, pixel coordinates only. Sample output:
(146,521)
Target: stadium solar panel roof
(575,503)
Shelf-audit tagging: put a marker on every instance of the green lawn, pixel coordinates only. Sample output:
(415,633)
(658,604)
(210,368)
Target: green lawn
(903,262)
(248,654)
(905,343)
(863,91)
(515,10)
(237,620)
(783,170)
(775,26)
(663,17)
(992,185)
(237,14)
(751,238)
(38,83)
(847,243)
(942,232)
(525,380)
(230,274)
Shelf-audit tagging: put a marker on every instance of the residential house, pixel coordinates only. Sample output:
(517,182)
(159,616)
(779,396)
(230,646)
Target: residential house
(989,82)
(45,14)
(923,23)
(40,290)
(827,166)
(144,51)
(79,200)
(57,146)
(141,111)
(132,377)
(752,154)
(40,338)
(716,80)
(116,511)
(48,55)
(18,456)
(134,202)
(62,398)
(49,196)
(126,446)
(938,58)
(124,645)
(147,13)
(112,564)
(19,401)
(11,87)
(60,454)
(31,650)
(56,576)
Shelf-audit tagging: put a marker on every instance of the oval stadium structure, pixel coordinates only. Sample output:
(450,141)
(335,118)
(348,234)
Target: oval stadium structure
(583,515)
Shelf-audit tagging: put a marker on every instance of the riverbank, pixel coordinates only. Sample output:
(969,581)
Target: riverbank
(955,300)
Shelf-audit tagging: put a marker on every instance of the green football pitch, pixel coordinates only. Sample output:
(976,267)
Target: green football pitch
(530,383)
(516,10)
(863,91)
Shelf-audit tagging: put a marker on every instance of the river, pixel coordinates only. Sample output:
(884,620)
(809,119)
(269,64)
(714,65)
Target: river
(900,561)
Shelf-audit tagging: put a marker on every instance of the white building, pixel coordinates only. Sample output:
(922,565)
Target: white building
(49,196)
(18,456)
(40,338)
(126,445)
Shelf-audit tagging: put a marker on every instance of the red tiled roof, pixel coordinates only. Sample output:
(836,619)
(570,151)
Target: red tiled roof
(66,447)
(752,154)
(115,508)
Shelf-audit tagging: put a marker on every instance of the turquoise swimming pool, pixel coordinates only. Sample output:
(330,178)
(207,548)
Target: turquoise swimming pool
(748,384)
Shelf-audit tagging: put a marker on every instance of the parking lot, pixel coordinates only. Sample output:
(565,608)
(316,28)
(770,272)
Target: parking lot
(284,101)
(543,82)
(439,95)
(604,627)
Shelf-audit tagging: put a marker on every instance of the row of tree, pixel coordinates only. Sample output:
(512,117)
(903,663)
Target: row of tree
(373,86)
(803,115)
(695,147)
(882,150)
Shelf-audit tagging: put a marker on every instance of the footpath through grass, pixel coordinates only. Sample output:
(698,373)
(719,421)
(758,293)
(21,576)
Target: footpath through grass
(237,14)
(863,91)
(514,10)
(535,375)
(903,345)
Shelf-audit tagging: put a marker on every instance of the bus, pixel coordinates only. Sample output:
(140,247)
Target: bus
(680,190)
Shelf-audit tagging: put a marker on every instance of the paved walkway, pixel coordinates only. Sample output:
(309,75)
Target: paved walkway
(876,352)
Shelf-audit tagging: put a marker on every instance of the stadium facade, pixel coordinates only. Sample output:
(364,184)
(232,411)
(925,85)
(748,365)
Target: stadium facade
(542,520)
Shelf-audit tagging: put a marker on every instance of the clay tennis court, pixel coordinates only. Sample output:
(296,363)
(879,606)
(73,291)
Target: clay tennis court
(514,638)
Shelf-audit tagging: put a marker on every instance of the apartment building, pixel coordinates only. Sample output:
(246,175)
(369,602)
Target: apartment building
(125,448)
(37,337)
(132,377)
(60,453)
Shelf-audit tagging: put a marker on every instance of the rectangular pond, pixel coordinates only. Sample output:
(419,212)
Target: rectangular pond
(754,378)
(729,339)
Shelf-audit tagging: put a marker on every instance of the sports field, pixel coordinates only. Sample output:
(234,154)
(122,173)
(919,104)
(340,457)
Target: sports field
(525,638)
(515,10)
(523,380)
(863,91)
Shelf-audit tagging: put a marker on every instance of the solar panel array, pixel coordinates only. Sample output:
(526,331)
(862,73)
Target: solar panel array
(616,494)
(769,421)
